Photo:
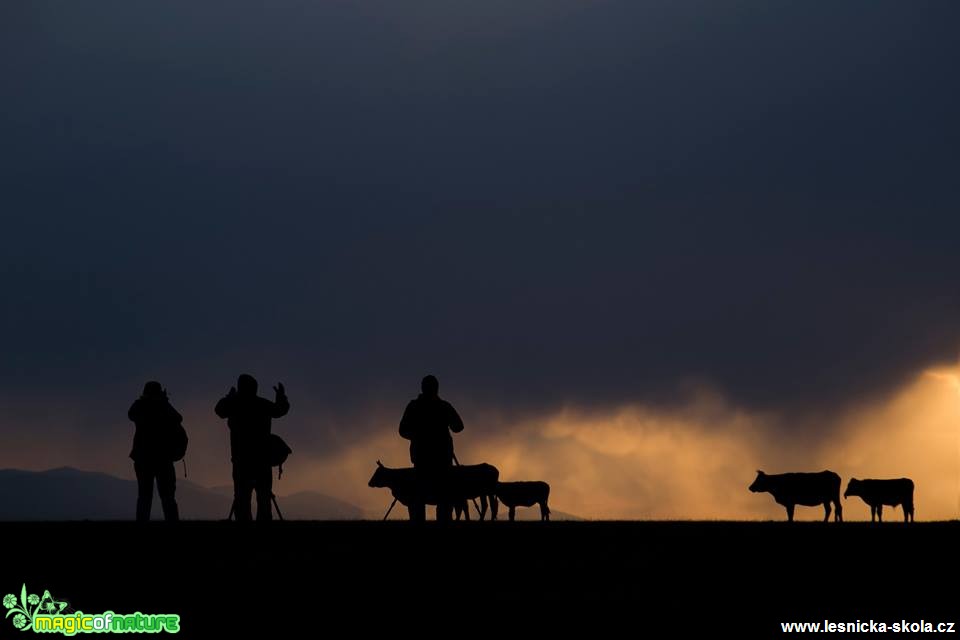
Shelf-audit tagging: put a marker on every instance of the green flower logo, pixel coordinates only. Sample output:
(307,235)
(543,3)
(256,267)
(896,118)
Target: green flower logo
(26,607)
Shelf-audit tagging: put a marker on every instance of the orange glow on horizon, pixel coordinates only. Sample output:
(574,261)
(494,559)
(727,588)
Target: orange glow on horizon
(692,461)
(950,378)
(697,461)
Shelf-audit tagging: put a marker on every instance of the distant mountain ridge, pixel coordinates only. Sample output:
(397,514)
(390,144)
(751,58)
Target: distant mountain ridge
(70,494)
(66,493)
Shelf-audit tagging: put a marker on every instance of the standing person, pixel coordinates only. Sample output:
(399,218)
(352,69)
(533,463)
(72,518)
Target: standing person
(427,423)
(155,419)
(249,418)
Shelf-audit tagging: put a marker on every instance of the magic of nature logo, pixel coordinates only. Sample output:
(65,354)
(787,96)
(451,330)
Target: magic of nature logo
(46,614)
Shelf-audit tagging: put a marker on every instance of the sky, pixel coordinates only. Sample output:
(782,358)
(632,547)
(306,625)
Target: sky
(647,247)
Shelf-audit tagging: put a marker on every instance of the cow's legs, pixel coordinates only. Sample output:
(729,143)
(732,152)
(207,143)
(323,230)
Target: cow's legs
(880,512)
(417,511)
(444,511)
(483,507)
(494,506)
(838,510)
(790,508)
(873,513)
(513,513)
(544,512)
(826,511)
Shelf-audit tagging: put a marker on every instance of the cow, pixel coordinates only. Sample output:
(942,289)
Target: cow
(877,493)
(524,494)
(807,489)
(461,483)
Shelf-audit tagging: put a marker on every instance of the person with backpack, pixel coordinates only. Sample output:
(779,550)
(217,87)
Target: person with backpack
(159,440)
(249,418)
(427,423)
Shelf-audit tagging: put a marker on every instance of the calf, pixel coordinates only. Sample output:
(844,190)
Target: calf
(877,493)
(808,489)
(524,494)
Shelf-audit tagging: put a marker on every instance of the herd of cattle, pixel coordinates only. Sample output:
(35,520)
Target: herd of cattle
(482,481)
(460,484)
(812,489)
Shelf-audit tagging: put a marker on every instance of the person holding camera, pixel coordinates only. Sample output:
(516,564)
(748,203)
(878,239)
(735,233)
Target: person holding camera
(157,423)
(249,417)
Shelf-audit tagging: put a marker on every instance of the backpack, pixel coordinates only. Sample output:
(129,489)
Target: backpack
(277,451)
(177,443)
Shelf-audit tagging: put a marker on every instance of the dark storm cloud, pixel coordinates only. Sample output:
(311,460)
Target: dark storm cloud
(558,202)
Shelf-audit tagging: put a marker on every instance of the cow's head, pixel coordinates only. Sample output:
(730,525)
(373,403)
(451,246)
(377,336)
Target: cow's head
(853,488)
(760,484)
(379,478)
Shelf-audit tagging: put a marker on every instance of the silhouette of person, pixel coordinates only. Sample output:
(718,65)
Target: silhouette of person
(155,418)
(427,423)
(249,418)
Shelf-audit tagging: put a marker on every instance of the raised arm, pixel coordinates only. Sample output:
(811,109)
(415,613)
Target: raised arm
(280,405)
(225,406)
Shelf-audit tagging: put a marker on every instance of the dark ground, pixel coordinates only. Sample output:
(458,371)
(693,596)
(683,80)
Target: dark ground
(373,576)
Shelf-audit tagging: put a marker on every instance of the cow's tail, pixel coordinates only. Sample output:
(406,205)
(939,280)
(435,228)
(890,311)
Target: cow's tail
(838,507)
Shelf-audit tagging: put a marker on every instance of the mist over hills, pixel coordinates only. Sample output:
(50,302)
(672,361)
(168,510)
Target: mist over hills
(71,494)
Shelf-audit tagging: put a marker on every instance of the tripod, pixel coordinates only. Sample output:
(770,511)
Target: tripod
(273,499)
